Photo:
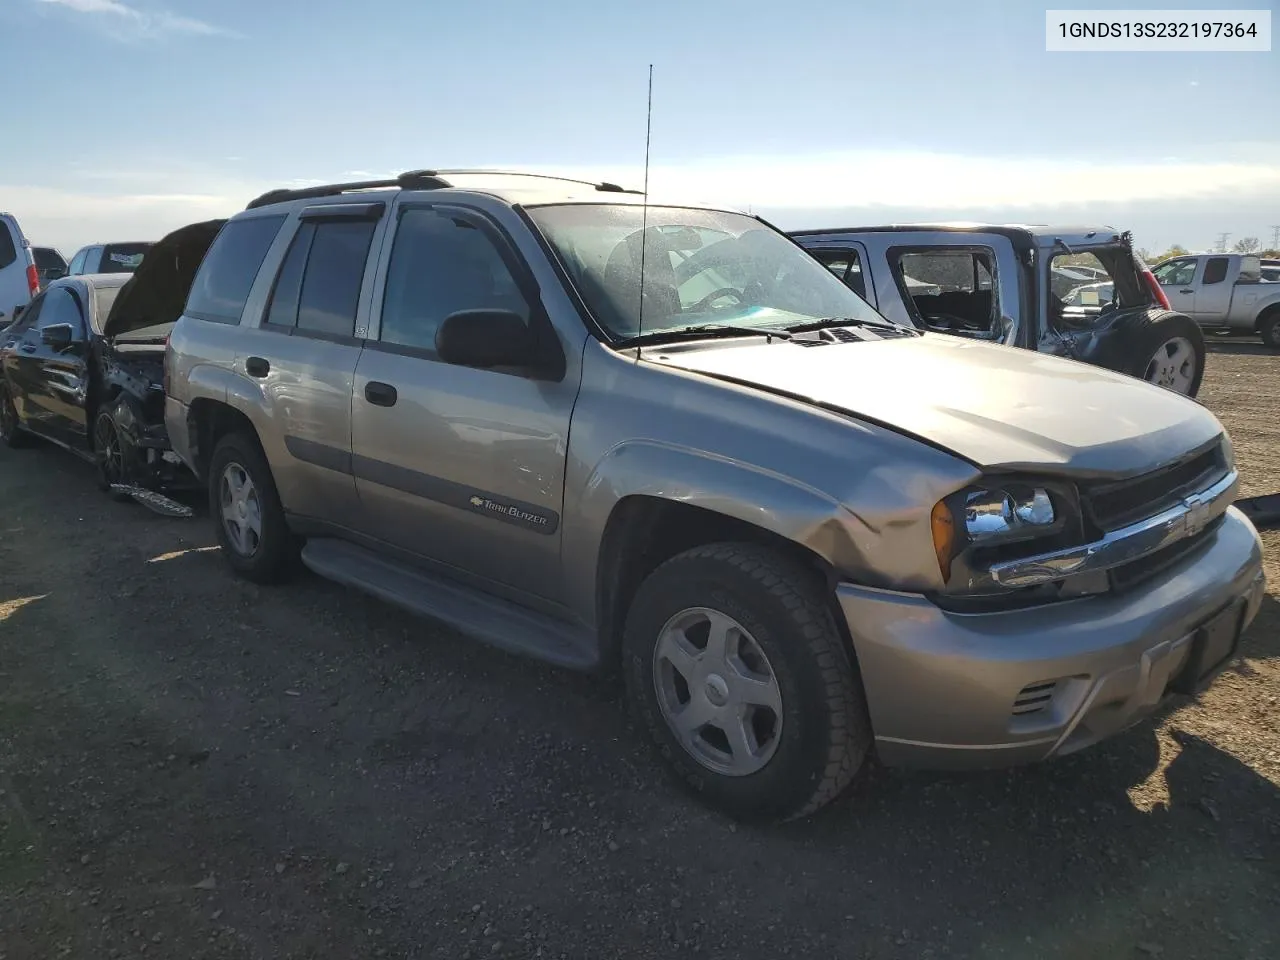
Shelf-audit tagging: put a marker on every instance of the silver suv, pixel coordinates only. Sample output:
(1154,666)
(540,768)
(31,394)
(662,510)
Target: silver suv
(799,530)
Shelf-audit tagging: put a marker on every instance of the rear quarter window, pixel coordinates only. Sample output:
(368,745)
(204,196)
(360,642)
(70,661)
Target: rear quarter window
(226,275)
(8,249)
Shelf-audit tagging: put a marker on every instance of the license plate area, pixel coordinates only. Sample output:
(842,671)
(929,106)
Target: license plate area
(1212,645)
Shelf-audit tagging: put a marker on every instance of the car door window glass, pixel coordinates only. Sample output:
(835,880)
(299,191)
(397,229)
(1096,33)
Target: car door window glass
(60,306)
(77,263)
(330,291)
(8,249)
(441,264)
(845,265)
(27,320)
(1175,273)
(226,274)
(282,309)
(1215,270)
(952,289)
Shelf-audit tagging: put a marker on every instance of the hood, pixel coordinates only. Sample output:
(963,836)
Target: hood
(157,291)
(998,407)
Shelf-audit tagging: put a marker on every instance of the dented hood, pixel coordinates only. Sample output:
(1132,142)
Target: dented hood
(998,407)
(157,291)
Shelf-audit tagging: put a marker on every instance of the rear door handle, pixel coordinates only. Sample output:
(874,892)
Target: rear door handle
(1186,291)
(380,394)
(257,367)
(27,348)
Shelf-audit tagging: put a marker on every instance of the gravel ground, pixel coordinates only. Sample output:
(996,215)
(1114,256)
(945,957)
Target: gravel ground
(194,767)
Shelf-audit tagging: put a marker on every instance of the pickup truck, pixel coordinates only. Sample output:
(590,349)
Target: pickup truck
(1223,292)
(662,441)
(1012,284)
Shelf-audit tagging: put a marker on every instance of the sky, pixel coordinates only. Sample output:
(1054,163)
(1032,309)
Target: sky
(140,116)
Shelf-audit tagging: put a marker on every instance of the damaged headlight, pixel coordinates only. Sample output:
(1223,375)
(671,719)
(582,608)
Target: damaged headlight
(997,521)
(1007,514)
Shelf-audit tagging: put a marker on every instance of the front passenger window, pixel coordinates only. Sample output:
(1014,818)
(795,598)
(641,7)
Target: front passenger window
(440,264)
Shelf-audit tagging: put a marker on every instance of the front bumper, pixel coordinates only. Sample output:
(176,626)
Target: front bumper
(951,690)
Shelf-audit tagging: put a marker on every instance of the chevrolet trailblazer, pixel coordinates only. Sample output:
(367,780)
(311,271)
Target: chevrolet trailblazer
(605,432)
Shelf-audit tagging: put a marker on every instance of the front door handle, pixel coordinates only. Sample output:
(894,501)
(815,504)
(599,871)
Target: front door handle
(1186,291)
(27,348)
(380,394)
(257,367)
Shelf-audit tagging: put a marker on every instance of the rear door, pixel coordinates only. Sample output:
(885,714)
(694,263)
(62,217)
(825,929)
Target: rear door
(1213,292)
(459,465)
(305,352)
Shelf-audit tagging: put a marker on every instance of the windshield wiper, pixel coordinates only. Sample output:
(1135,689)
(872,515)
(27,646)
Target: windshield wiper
(702,331)
(826,322)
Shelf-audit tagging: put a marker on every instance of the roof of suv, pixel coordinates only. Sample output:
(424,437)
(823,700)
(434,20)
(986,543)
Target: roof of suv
(1041,234)
(514,187)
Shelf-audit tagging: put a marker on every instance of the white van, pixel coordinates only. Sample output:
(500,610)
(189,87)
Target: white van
(19,280)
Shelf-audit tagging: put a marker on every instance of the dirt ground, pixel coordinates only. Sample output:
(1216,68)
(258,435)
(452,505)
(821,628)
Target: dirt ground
(194,767)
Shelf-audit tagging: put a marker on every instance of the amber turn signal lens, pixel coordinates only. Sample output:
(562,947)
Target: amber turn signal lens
(944,537)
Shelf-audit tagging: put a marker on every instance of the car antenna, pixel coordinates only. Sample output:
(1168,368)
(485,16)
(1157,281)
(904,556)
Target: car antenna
(644,208)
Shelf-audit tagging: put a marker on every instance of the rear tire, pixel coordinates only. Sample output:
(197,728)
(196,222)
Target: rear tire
(1156,346)
(778,646)
(1269,329)
(247,513)
(11,433)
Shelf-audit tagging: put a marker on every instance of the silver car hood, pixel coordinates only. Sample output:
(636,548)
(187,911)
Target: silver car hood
(999,407)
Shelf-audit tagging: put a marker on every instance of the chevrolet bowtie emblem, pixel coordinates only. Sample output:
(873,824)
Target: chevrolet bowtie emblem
(477,501)
(1197,515)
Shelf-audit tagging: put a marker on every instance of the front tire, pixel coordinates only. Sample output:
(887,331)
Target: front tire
(247,513)
(735,668)
(111,456)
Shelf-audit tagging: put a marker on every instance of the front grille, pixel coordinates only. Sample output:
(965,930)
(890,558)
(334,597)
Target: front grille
(1139,571)
(1118,503)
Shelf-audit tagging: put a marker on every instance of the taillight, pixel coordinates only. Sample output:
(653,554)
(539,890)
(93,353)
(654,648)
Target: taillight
(1157,291)
(167,357)
(33,279)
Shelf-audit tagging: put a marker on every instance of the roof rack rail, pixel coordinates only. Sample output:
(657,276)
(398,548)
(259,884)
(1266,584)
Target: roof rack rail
(604,186)
(414,180)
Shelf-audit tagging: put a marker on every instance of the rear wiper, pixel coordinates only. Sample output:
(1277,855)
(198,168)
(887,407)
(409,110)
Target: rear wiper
(702,331)
(826,322)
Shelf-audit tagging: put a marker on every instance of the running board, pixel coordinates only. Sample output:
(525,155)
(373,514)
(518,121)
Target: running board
(493,620)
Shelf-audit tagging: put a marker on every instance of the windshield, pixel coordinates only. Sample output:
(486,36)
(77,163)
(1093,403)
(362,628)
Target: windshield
(103,298)
(700,267)
(122,257)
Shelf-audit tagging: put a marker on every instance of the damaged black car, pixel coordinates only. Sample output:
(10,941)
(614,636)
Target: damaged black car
(83,367)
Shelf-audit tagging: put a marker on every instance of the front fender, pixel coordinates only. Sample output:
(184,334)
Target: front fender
(875,532)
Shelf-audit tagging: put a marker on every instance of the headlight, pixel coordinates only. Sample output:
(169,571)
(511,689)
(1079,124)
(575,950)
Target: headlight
(982,524)
(1007,514)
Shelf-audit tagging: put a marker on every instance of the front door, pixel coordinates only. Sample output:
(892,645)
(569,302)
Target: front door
(459,465)
(51,383)
(1177,278)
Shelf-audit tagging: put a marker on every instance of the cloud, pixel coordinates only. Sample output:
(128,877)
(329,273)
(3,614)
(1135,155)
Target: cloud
(124,22)
(940,181)
(1186,199)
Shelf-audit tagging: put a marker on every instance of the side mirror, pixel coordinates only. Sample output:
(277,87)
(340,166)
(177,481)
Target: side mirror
(58,335)
(486,338)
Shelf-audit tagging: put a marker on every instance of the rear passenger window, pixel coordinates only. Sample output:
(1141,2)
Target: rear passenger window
(331,281)
(224,279)
(8,249)
(441,264)
(1215,270)
(282,311)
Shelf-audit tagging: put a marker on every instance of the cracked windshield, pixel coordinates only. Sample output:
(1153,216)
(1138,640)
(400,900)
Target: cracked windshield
(581,481)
